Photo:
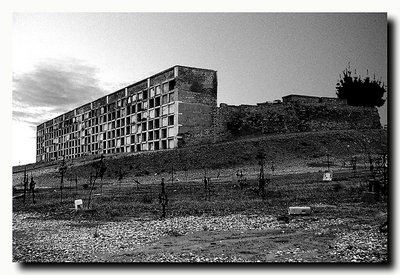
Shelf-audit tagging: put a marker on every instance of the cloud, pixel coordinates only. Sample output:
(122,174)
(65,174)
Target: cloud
(52,88)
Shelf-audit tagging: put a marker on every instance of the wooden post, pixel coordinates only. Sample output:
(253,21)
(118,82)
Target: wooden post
(76,186)
(25,184)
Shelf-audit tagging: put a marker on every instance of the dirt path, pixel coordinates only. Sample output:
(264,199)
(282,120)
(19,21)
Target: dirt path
(273,245)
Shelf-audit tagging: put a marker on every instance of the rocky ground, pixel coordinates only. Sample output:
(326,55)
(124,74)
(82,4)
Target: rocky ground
(233,238)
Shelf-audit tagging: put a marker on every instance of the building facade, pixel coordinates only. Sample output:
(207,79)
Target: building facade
(148,115)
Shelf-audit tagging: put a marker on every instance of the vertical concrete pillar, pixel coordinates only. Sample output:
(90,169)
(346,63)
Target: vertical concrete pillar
(176,70)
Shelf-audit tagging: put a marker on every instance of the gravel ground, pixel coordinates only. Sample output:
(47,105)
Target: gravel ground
(72,241)
(37,239)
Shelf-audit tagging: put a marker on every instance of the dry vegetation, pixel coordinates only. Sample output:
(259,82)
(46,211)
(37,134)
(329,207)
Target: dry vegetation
(221,224)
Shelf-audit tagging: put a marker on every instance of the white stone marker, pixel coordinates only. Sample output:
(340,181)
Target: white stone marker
(327,176)
(299,210)
(78,205)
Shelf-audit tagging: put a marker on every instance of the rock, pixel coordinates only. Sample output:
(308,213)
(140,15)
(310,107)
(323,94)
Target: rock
(299,210)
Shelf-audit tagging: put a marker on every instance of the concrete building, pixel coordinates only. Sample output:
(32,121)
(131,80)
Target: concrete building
(148,115)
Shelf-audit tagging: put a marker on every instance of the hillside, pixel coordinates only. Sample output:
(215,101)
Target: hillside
(284,150)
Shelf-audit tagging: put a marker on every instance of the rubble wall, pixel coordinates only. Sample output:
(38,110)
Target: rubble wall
(232,122)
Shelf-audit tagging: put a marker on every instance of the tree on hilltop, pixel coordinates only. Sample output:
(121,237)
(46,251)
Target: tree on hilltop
(360,92)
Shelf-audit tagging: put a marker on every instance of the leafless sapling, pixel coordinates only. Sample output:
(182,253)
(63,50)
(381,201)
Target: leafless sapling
(25,184)
(62,170)
(32,189)
(163,199)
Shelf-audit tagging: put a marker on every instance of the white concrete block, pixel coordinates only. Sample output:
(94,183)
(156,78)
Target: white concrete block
(299,210)
(78,205)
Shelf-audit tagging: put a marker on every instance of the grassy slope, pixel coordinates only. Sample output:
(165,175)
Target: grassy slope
(281,149)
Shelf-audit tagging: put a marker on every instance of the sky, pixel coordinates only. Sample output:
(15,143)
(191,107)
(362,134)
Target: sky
(63,60)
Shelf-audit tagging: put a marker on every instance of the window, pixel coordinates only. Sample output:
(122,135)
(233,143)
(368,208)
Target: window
(157,112)
(151,135)
(144,126)
(165,121)
(157,123)
(144,137)
(151,113)
(171,132)
(145,94)
(165,87)
(164,133)
(172,85)
(171,120)
(171,108)
(164,110)
(151,125)
(171,144)
(171,97)
(164,99)
(158,101)
(151,103)
(151,92)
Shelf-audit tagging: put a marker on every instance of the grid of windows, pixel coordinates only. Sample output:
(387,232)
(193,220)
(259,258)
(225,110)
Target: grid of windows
(144,120)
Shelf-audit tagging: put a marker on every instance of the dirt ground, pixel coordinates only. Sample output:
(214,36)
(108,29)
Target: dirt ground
(231,225)
(344,233)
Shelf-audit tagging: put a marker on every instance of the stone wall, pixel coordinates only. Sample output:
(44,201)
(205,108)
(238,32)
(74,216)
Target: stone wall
(195,123)
(197,86)
(232,122)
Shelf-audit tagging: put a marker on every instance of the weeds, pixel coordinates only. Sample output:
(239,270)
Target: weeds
(128,202)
